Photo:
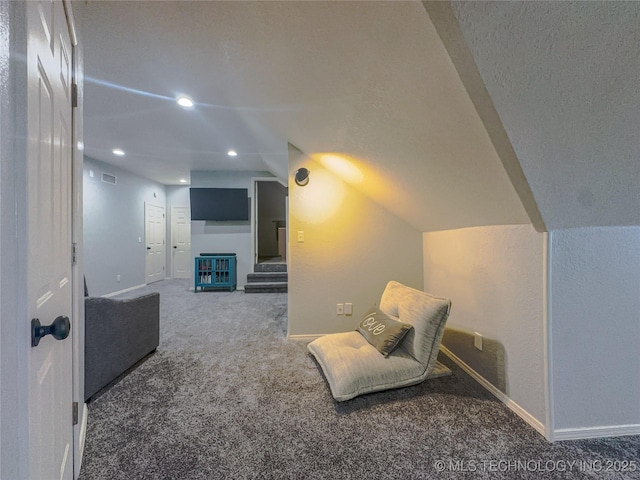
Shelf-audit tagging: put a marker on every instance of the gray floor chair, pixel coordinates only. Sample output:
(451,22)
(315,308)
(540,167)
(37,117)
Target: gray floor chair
(352,366)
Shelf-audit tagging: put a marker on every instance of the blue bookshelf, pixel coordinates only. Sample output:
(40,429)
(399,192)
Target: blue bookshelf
(215,271)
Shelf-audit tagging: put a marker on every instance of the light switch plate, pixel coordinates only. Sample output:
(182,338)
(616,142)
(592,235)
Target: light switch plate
(477,340)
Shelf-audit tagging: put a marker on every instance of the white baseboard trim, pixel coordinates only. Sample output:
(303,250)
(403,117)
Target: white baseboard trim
(596,432)
(83,431)
(113,294)
(239,289)
(306,338)
(511,405)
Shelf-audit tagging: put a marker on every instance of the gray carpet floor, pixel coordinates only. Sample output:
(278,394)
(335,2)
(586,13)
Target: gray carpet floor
(227,396)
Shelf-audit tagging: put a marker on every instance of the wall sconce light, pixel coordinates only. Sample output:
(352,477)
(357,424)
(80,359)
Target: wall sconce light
(302,176)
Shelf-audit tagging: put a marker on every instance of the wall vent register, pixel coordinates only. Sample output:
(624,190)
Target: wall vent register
(108,178)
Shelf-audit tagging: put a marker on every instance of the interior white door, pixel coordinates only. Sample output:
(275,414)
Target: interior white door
(181,260)
(49,185)
(154,220)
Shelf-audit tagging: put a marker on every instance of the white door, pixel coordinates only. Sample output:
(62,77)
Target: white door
(154,221)
(181,261)
(49,185)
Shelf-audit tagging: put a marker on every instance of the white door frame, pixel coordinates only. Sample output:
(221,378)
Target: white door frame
(80,429)
(254,213)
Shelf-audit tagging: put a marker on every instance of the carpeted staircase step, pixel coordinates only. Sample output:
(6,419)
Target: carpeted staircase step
(267,278)
(270,267)
(260,277)
(266,287)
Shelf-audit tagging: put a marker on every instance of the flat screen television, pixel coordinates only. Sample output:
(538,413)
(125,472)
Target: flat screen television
(219,204)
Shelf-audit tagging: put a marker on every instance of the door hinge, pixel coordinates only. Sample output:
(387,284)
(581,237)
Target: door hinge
(74,253)
(74,95)
(74,413)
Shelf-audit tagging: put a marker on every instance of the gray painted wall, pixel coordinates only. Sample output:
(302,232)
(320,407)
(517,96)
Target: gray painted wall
(113,224)
(595,326)
(225,237)
(352,247)
(122,206)
(177,195)
(563,78)
(494,278)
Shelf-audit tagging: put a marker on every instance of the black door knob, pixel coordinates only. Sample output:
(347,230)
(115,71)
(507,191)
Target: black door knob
(59,329)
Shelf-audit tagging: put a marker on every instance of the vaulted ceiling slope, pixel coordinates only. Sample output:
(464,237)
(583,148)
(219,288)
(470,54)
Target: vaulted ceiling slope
(366,88)
(563,77)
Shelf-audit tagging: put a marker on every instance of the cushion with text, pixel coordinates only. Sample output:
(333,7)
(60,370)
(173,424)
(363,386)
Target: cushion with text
(382,331)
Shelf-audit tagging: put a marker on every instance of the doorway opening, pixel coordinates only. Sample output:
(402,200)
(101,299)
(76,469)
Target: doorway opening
(270,221)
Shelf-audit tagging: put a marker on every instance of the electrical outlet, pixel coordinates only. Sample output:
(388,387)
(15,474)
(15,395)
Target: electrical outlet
(477,340)
(117,278)
(348,308)
(340,309)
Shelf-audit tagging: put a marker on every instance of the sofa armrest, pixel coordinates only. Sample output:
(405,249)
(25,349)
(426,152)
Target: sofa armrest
(118,333)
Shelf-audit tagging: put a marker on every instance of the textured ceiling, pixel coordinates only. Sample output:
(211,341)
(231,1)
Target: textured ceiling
(563,77)
(368,81)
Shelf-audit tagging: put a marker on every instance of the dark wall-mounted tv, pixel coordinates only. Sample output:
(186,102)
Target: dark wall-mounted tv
(219,204)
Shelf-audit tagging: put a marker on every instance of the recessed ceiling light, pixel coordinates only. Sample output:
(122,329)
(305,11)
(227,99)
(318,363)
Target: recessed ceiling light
(232,153)
(183,180)
(184,101)
(118,151)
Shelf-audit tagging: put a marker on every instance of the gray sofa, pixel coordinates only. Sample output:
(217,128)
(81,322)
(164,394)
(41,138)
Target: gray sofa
(118,334)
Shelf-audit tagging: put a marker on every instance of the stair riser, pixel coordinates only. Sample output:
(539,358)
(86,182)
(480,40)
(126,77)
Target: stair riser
(270,267)
(257,288)
(268,277)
